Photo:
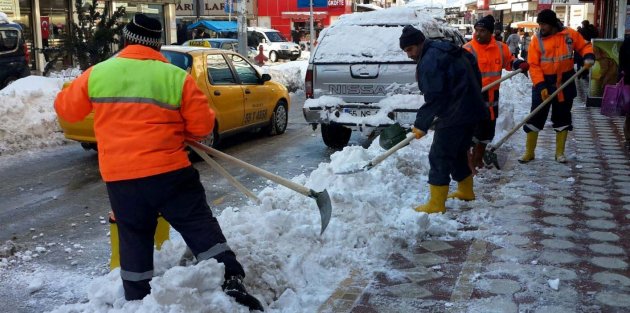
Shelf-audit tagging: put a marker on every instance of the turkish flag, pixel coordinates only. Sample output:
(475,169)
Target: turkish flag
(45,22)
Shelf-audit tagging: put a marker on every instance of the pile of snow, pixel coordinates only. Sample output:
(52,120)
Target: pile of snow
(27,115)
(290,74)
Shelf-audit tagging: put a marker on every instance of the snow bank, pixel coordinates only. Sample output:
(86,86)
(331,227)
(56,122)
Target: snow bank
(27,116)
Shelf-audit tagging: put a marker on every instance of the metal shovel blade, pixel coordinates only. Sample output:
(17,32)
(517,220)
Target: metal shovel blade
(490,157)
(324,205)
(363,168)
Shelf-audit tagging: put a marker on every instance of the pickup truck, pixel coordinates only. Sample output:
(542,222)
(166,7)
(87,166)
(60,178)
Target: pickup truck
(358,78)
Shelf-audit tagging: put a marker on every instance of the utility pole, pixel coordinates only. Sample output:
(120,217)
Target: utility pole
(198,8)
(312,42)
(242,27)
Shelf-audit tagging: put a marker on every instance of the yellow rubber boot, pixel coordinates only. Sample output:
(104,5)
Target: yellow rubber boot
(561,140)
(437,200)
(161,232)
(114,260)
(464,190)
(530,146)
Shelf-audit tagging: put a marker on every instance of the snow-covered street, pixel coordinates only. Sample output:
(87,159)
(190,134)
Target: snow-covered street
(541,237)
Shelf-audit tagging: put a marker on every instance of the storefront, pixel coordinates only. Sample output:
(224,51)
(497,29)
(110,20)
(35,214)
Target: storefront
(213,10)
(54,21)
(611,17)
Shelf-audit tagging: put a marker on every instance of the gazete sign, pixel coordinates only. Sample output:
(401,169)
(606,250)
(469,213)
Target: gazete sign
(210,7)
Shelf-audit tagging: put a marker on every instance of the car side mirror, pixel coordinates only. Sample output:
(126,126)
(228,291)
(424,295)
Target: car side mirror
(265,78)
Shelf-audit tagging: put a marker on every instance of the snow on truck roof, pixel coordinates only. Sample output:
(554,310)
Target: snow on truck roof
(372,36)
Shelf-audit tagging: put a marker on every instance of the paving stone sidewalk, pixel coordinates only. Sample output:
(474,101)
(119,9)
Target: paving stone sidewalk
(561,247)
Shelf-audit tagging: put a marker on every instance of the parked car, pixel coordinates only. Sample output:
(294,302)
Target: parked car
(275,45)
(242,98)
(14,55)
(357,64)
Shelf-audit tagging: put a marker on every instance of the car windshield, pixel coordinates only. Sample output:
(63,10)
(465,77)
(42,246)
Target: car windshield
(275,37)
(8,39)
(181,60)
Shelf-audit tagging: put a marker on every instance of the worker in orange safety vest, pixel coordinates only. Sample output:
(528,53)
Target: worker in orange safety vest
(551,59)
(492,57)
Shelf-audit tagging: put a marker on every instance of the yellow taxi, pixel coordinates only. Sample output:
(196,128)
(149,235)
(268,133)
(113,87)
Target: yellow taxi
(242,98)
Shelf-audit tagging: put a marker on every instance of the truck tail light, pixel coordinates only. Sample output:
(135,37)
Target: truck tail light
(308,83)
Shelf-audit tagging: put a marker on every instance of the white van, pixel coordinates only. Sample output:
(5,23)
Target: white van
(275,45)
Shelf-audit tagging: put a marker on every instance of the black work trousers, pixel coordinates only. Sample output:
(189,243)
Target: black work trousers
(560,113)
(181,199)
(448,156)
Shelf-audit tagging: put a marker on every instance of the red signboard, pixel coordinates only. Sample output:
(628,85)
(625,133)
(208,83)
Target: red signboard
(483,4)
(543,5)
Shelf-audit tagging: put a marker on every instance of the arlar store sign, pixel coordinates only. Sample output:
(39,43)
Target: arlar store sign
(210,8)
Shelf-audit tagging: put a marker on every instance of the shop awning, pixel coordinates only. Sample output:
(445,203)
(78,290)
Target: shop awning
(303,16)
(524,24)
(217,26)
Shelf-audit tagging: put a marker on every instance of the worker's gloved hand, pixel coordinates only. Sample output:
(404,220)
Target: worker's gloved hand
(544,94)
(419,134)
(588,63)
(522,65)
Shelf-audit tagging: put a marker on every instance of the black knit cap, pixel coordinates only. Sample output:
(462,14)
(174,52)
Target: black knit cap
(411,36)
(143,30)
(547,16)
(486,22)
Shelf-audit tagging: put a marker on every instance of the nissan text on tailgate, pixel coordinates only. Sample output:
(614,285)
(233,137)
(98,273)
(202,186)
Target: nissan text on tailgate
(359,79)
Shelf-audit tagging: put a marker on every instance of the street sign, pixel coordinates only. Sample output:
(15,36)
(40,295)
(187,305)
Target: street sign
(302,4)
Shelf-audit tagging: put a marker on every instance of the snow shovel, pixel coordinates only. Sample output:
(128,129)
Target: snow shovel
(498,81)
(490,157)
(214,164)
(380,158)
(322,198)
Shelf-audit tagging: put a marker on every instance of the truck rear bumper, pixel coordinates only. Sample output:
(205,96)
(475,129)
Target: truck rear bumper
(331,115)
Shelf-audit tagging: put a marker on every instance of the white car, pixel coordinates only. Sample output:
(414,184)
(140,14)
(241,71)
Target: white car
(275,45)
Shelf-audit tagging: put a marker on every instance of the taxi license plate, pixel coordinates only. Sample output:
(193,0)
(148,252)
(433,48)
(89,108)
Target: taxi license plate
(360,112)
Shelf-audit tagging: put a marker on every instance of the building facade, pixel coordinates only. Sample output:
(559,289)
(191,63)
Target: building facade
(46,21)
(286,17)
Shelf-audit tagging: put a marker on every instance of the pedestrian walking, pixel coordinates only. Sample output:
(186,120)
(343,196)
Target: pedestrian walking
(144,111)
(525,41)
(449,78)
(624,64)
(492,57)
(551,64)
(513,42)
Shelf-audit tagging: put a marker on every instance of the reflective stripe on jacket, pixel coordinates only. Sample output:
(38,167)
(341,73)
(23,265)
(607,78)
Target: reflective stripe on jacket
(492,58)
(144,109)
(550,58)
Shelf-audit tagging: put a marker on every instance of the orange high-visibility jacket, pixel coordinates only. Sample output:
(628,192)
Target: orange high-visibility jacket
(144,109)
(492,58)
(550,58)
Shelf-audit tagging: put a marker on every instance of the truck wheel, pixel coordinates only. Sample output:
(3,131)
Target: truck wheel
(279,120)
(336,136)
(273,56)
